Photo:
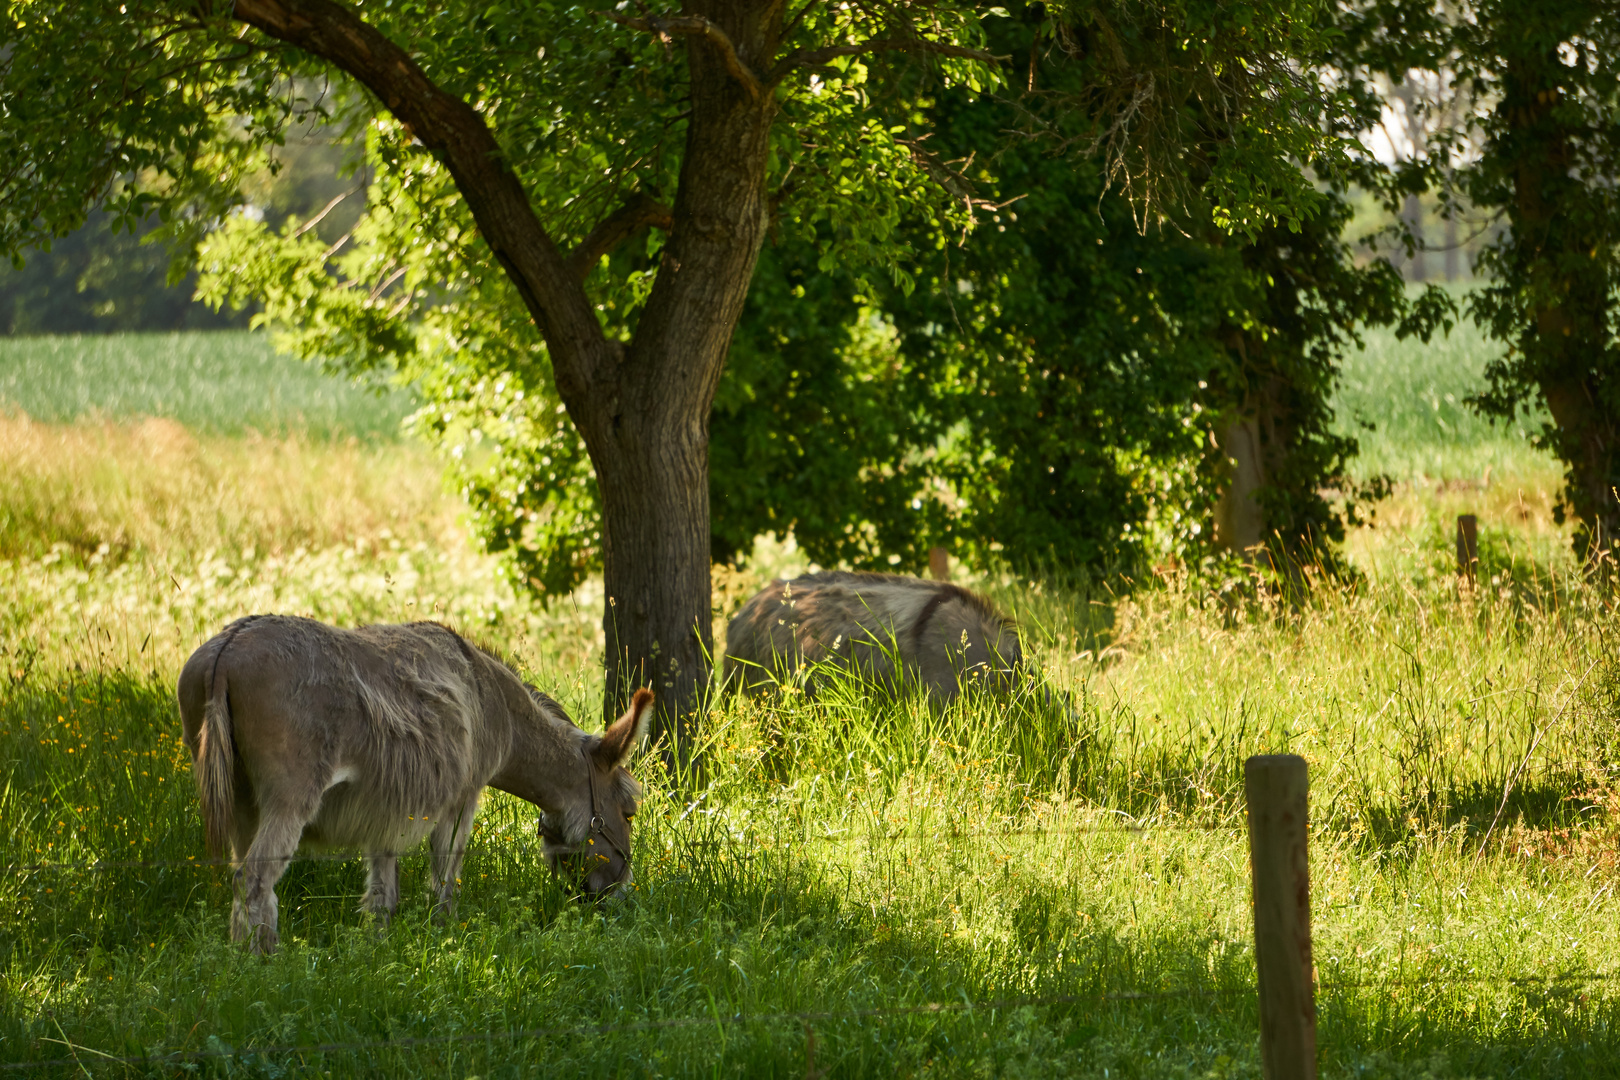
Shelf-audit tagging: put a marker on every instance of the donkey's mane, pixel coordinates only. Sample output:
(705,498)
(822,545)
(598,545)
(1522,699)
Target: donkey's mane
(469,642)
(550,707)
(944,593)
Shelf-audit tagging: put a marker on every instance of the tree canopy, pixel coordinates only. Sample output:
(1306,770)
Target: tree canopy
(566,207)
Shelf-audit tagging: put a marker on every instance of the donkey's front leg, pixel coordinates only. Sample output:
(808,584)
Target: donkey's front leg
(449,844)
(382,886)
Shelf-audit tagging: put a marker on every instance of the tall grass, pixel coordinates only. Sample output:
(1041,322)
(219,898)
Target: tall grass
(155,487)
(224,382)
(840,857)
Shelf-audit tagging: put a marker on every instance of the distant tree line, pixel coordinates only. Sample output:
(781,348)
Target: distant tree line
(113,275)
(97,281)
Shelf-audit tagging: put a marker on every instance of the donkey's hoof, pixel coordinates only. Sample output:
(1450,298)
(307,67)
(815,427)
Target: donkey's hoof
(263,940)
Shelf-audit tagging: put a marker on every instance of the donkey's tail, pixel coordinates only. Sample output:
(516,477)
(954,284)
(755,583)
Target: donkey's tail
(216,762)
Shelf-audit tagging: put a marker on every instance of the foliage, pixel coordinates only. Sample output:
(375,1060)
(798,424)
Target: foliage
(1069,373)
(104,278)
(1062,352)
(1201,112)
(848,444)
(1551,151)
(812,431)
(97,280)
(412,291)
(1309,305)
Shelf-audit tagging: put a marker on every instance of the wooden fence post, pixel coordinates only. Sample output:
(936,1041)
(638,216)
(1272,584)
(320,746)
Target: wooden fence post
(1467,545)
(1276,788)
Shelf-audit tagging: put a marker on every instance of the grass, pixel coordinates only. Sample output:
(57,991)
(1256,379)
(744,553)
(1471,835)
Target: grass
(1414,396)
(845,858)
(223,382)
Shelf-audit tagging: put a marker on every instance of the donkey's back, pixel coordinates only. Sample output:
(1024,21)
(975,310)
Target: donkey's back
(894,631)
(393,721)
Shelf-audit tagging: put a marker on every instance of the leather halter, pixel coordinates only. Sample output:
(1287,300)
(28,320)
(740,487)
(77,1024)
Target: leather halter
(598,825)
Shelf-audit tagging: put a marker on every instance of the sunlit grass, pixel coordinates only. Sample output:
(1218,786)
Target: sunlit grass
(1414,396)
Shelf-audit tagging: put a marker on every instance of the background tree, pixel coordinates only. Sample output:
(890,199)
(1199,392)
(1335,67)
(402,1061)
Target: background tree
(102,278)
(525,141)
(95,280)
(1549,161)
(1531,136)
(1070,387)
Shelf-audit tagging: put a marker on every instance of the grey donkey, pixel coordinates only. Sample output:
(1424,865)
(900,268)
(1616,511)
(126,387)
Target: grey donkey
(374,738)
(893,631)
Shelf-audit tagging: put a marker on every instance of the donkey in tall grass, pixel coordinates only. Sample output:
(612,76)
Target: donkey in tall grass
(372,739)
(893,632)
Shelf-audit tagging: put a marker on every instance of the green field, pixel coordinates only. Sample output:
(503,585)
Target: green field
(1414,396)
(227,381)
(858,889)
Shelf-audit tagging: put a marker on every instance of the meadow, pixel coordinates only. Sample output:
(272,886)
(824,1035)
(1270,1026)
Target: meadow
(854,889)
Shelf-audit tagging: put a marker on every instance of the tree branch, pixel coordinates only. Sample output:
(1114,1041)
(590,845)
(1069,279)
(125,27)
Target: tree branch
(639,213)
(694,26)
(818,57)
(453,131)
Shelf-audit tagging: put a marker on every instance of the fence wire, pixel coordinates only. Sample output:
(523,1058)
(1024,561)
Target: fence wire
(1123,828)
(1126,826)
(819,1016)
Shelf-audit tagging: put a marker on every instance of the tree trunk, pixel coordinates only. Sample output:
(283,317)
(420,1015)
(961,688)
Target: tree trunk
(1240,524)
(642,408)
(1453,255)
(1587,441)
(655,525)
(1417,268)
(647,427)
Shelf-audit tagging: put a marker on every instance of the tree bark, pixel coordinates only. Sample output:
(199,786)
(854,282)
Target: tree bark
(642,408)
(649,436)
(1240,524)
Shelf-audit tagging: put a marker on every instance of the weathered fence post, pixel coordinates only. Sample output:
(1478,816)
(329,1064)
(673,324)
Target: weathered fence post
(1276,788)
(939,564)
(1467,545)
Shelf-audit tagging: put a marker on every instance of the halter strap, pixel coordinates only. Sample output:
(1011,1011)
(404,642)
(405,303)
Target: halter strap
(598,825)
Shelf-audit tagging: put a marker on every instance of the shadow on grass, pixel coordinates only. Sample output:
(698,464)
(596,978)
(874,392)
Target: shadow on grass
(741,943)
(1476,809)
(762,955)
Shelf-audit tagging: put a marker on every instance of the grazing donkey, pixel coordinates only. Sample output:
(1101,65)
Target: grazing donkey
(894,631)
(302,733)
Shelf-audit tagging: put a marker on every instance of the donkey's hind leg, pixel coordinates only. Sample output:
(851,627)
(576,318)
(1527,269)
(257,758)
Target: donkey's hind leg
(449,844)
(382,886)
(267,858)
(244,826)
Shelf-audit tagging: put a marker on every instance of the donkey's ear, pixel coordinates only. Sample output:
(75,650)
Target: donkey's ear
(620,740)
